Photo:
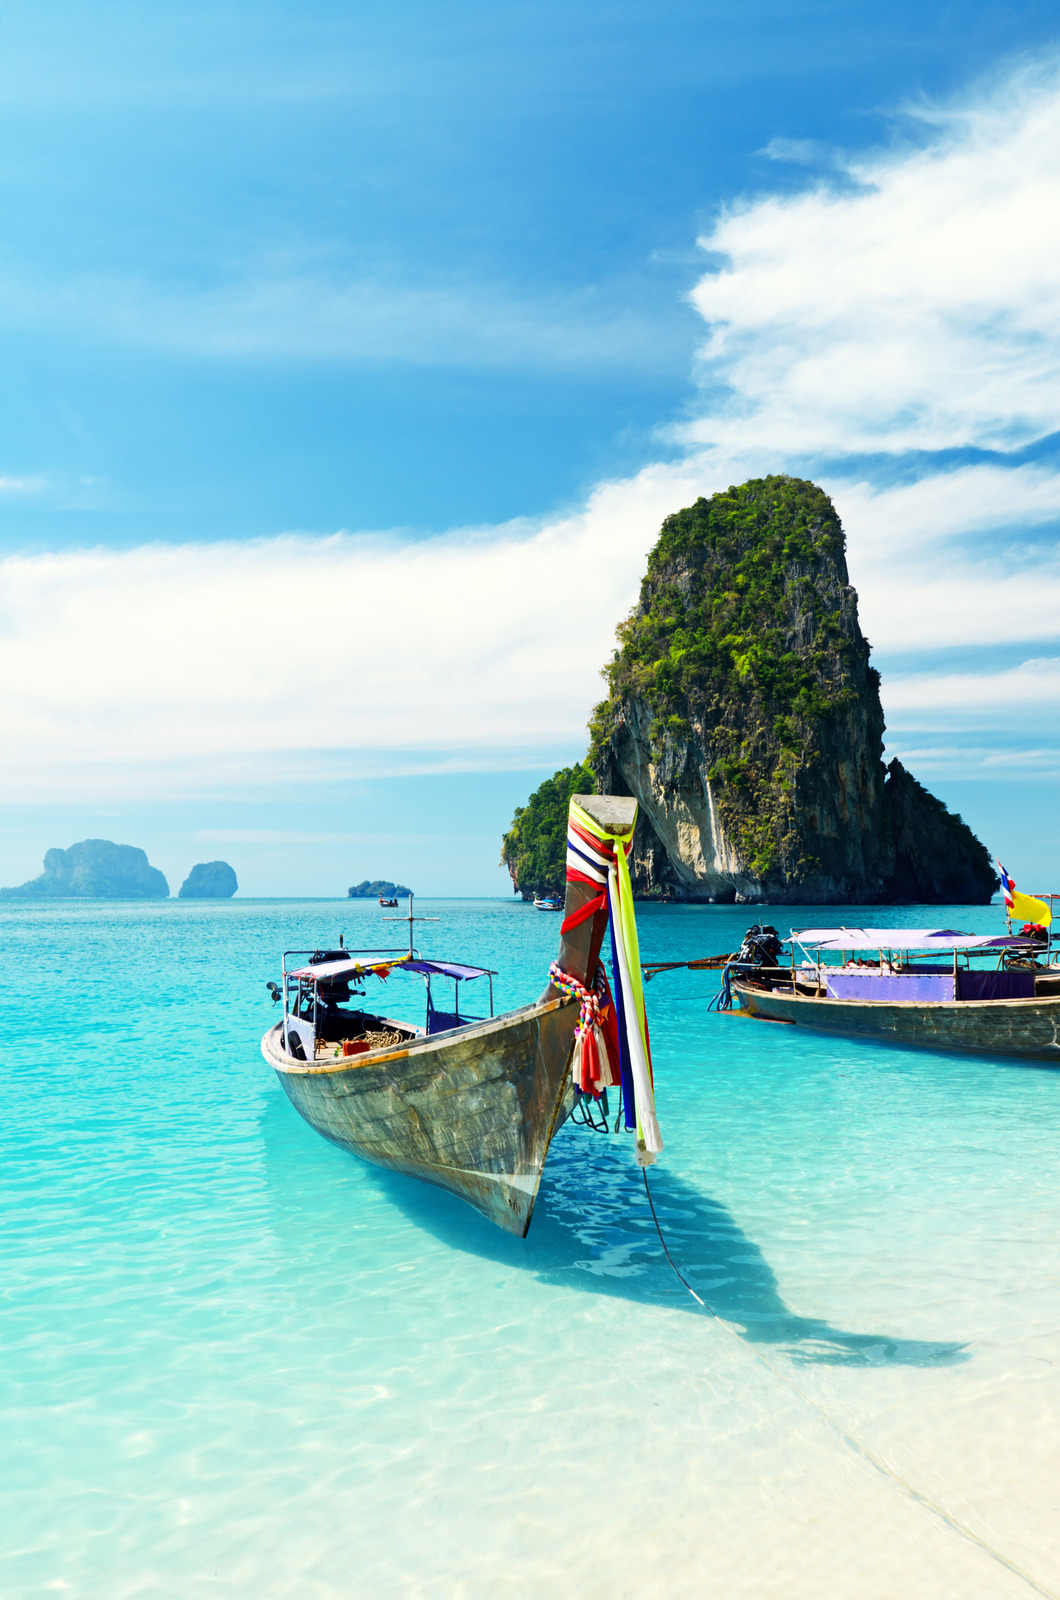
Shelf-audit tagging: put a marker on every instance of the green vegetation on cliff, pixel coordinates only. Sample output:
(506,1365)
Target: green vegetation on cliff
(535,847)
(371,889)
(746,626)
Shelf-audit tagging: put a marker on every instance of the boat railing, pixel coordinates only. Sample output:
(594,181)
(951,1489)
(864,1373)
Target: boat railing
(304,986)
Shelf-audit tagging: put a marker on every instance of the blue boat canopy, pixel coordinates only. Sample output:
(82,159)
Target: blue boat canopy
(899,939)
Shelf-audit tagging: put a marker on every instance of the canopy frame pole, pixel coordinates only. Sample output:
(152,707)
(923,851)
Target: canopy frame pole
(283,1036)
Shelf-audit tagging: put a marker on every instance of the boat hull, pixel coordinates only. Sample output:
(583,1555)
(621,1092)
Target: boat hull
(472,1111)
(1026,1028)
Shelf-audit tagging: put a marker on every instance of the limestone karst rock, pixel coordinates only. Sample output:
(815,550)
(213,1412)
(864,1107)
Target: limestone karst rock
(209,880)
(95,869)
(744,716)
(535,847)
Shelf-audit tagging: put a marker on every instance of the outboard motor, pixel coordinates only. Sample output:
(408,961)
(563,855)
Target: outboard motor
(329,1020)
(761,947)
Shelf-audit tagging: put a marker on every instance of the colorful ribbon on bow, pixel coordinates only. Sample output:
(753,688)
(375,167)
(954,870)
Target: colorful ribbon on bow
(599,860)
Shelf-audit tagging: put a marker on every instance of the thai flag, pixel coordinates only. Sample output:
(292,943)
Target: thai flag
(1007,886)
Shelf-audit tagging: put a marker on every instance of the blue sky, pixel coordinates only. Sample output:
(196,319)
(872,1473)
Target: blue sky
(335,339)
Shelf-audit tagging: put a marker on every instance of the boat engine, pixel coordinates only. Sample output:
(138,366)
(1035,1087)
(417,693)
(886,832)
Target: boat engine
(761,947)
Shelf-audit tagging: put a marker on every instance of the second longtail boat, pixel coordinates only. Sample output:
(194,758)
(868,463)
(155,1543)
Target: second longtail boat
(910,986)
(473,1105)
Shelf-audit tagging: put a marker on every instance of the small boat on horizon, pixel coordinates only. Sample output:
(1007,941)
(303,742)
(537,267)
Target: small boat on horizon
(472,1103)
(548,902)
(388,905)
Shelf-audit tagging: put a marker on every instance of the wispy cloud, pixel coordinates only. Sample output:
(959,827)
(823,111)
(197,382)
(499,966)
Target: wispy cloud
(1027,687)
(981,760)
(297,312)
(288,836)
(12,485)
(803,152)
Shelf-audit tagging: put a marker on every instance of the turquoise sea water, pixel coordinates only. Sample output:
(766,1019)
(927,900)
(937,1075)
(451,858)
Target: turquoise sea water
(237,1361)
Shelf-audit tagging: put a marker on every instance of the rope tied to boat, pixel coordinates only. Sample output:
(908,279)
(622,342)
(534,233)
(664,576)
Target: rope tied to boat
(594,1066)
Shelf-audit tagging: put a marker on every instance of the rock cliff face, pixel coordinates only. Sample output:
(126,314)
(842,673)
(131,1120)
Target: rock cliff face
(209,880)
(95,869)
(745,718)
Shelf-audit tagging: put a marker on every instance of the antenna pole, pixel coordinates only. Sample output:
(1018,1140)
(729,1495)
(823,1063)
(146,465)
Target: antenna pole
(411,920)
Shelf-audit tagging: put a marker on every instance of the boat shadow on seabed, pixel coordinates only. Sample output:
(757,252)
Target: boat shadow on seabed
(593,1230)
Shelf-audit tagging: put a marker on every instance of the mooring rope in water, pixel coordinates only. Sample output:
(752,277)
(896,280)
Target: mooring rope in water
(844,1433)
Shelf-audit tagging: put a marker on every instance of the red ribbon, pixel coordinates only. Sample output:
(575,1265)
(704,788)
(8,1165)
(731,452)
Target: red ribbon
(590,908)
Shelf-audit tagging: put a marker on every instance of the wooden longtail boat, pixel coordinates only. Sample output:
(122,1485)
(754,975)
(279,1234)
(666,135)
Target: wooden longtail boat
(472,1108)
(1013,1010)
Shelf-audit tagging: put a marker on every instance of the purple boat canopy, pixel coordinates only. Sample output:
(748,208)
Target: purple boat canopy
(336,971)
(444,969)
(898,939)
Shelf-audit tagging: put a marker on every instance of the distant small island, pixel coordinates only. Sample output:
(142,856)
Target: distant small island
(376,890)
(95,869)
(209,880)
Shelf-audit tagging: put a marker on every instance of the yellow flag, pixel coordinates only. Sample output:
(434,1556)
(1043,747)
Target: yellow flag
(1025,908)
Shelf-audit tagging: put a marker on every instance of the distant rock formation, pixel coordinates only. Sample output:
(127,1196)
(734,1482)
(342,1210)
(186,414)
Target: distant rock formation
(95,869)
(744,717)
(378,887)
(209,880)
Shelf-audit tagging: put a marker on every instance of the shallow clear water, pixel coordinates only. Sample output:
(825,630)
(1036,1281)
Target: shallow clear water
(238,1361)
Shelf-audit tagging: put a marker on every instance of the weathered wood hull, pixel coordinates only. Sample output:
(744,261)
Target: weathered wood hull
(1027,1028)
(472,1111)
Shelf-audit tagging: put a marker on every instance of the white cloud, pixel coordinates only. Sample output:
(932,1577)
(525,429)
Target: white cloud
(149,668)
(961,557)
(915,308)
(921,311)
